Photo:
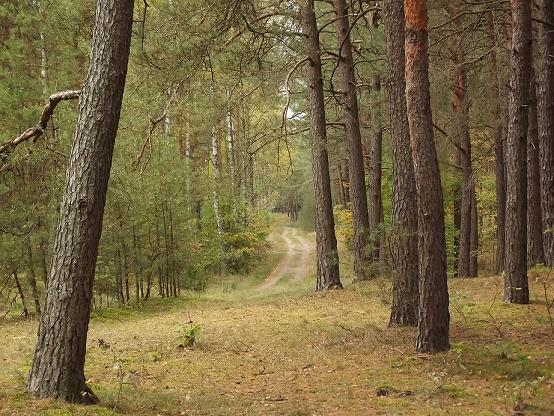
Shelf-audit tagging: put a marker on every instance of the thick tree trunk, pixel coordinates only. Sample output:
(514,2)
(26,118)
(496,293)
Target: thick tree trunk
(58,363)
(499,168)
(405,298)
(375,202)
(516,289)
(326,243)
(358,194)
(535,250)
(434,318)
(546,124)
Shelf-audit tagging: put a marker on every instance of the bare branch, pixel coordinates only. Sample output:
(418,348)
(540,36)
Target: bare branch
(38,130)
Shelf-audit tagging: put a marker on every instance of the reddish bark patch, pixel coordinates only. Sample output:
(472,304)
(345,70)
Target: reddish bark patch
(416,15)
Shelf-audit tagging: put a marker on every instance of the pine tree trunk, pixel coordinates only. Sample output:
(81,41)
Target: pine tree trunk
(58,363)
(375,201)
(231,157)
(118,274)
(342,188)
(161,284)
(499,167)
(474,239)
(43,65)
(136,270)
(32,277)
(546,124)
(358,194)
(188,170)
(516,289)
(21,294)
(434,318)
(404,199)
(535,249)
(462,137)
(125,272)
(326,243)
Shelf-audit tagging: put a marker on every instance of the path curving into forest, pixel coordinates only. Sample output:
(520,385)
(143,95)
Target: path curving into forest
(297,262)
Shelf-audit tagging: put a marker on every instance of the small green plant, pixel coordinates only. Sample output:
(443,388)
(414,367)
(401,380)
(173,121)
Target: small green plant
(190,335)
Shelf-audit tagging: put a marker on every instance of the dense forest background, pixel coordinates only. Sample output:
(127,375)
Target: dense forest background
(395,156)
(214,135)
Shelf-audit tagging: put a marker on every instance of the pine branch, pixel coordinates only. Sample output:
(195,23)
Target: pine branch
(38,130)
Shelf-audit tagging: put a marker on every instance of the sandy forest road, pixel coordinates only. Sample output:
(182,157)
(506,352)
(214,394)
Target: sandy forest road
(297,262)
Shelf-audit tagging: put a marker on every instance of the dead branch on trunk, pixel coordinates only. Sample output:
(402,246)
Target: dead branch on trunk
(38,130)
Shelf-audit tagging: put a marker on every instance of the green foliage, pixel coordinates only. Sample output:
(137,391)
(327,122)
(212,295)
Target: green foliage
(189,335)
(343,225)
(306,216)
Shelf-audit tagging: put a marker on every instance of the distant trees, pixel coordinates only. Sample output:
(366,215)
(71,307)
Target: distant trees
(467,239)
(499,145)
(535,248)
(58,363)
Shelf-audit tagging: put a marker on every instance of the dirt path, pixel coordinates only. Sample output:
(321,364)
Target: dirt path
(297,261)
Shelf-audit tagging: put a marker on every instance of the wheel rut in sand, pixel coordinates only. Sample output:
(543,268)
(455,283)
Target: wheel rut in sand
(296,262)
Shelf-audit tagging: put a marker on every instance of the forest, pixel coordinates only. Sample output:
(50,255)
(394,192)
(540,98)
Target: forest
(276,207)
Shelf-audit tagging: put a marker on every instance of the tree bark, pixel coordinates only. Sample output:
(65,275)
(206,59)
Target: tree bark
(516,289)
(328,276)
(499,167)
(375,202)
(342,188)
(546,124)
(405,298)
(58,363)
(358,195)
(434,318)
(535,250)
(474,239)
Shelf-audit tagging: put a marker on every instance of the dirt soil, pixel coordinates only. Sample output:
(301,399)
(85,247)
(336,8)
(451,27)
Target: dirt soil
(298,260)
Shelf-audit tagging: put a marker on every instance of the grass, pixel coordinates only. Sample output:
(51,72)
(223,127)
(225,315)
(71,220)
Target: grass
(294,352)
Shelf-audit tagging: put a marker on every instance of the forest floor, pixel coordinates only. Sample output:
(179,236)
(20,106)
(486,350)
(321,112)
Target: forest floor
(285,350)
